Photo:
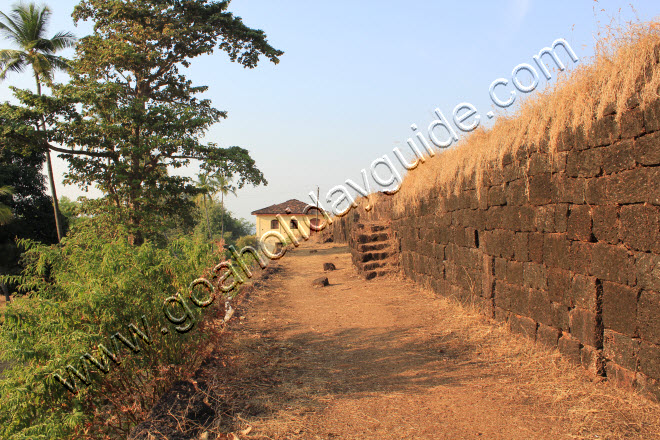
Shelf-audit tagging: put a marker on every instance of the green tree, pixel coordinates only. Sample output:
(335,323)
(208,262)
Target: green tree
(25,27)
(5,211)
(131,114)
(225,187)
(207,189)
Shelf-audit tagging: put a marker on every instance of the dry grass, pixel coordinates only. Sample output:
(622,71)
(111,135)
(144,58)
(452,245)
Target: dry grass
(624,71)
(594,408)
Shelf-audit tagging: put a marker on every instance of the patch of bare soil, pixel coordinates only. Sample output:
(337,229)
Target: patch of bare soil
(384,359)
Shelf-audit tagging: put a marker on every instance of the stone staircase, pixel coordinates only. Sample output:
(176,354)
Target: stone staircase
(374,249)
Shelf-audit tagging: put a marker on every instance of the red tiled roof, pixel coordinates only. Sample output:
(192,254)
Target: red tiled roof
(292,206)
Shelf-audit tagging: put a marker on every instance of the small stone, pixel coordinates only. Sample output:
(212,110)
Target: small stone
(329,266)
(320,282)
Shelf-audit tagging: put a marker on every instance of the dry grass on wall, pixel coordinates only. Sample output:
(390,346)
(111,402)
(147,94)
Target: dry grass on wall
(625,69)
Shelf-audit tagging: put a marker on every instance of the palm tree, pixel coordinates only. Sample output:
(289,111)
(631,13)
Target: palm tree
(5,212)
(25,26)
(224,186)
(207,190)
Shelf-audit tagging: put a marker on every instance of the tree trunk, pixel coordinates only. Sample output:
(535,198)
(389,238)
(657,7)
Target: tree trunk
(208,224)
(222,221)
(49,166)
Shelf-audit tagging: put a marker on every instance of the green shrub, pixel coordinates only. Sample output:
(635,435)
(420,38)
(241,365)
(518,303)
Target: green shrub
(246,240)
(75,297)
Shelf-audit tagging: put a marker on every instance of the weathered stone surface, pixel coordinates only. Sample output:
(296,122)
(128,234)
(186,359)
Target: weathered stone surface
(320,282)
(618,157)
(649,359)
(648,317)
(579,223)
(640,227)
(592,360)
(647,149)
(621,349)
(612,263)
(329,266)
(621,377)
(548,336)
(620,308)
(586,327)
(605,220)
(569,347)
(523,325)
(648,271)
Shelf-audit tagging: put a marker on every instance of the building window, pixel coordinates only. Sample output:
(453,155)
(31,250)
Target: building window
(274,224)
(294,224)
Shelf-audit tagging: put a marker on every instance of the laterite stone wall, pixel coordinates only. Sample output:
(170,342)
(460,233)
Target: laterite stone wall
(563,247)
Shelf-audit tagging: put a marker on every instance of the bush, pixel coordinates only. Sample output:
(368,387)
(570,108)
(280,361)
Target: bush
(75,297)
(246,240)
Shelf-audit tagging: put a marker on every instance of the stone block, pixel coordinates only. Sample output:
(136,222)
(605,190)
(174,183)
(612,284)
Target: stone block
(647,149)
(613,263)
(548,336)
(652,116)
(648,271)
(521,246)
(540,307)
(559,285)
(580,257)
(536,247)
(634,186)
(542,189)
(569,348)
(523,326)
(647,386)
(579,223)
(640,227)
(648,316)
(620,308)
(560,318)
(512,298)
(618,157)
(496,196)
(535,276)
(586,163)
(621,349)
(592,360)
(619,376)
(586,327)
(571,190)
(585,291)
(604,131)
(632,123)
(649,359)
(595,191)
(605,220)
(556,251)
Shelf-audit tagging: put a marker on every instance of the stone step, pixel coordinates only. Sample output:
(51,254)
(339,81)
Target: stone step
(376,264)
(370,275)
(376,246)
(371,238)
(372,256)
(373,227)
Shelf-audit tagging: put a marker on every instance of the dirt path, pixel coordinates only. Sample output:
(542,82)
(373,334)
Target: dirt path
(384,359)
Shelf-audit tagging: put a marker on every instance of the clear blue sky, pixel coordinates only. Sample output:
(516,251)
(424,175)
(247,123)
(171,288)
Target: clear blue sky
(356,75)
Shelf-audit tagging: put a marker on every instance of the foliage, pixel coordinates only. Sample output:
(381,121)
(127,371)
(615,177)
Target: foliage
(233,228)
(5,211)
(25,26)
(246,240)
(128,113)
(76,296)
(31,207)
